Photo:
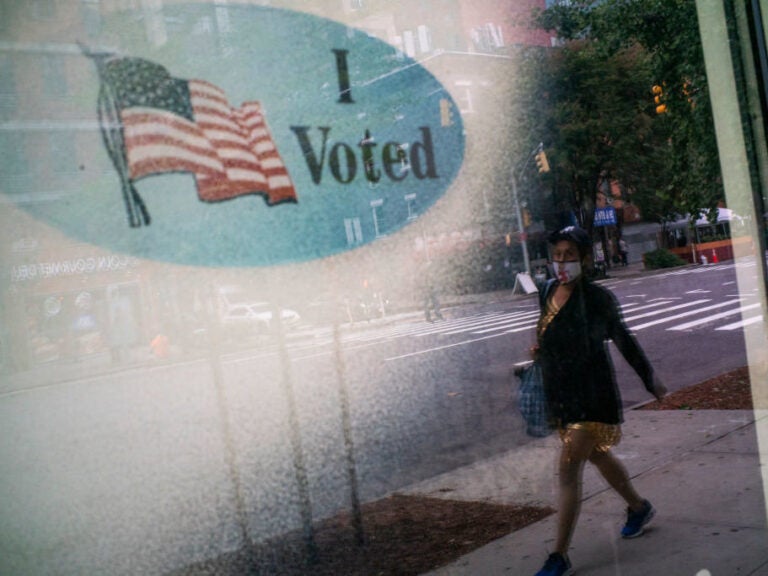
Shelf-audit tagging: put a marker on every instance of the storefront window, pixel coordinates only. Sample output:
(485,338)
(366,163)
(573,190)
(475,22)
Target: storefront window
(267,269)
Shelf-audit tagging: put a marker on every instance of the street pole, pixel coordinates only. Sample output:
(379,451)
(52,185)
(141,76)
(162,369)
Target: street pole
(519,212)
(523,236)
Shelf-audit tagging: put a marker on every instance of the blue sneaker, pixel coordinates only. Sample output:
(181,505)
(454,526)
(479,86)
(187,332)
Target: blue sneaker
(556,565)
(637,520)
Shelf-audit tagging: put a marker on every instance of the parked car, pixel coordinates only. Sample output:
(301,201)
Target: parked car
(256,318)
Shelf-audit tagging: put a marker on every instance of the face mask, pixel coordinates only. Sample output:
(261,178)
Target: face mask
(567,271)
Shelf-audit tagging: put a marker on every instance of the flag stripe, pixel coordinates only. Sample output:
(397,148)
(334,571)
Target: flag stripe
(215,189)
(210,106)
(211,120)
(280,182)
(210,90)
(241,174)
(238,154)
(226,137)
(166,150)
(162,124)
(158,141)
(272,163)
(169,150)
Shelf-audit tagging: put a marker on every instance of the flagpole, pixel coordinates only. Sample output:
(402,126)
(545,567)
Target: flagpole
(112,135)
(111,138)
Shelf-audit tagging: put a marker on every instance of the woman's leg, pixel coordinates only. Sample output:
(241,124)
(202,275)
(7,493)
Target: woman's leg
(616,475)
(578,445)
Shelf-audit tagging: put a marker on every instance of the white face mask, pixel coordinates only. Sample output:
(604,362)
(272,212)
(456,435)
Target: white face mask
(567,271)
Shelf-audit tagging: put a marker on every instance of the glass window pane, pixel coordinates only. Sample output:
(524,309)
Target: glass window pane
(269,272)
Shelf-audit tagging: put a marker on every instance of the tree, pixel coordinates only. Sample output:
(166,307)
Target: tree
(590,111)
(593,102)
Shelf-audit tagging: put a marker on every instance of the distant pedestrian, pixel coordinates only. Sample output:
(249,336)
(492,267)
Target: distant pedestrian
(599,264)
(577,319)
(160,346)
(623,252)
(429,294)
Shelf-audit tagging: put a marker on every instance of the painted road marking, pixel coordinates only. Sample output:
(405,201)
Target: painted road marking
(685,314)
(670,309)
(714,317)
(741,324)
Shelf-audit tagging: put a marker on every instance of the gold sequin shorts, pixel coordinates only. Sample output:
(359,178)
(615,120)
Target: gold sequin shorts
(606,435)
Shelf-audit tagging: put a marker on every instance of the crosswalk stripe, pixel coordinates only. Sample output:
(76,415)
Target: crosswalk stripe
(742,323)
(425,329)
(521,328)
(634,307)
(670,309)
(527,324)
(510,320)
(684,314)
(704,268)
(711,267)
(708,319)
(453,326)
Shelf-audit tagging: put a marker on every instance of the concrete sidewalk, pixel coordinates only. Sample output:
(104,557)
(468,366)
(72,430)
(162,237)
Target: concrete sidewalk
(701,470)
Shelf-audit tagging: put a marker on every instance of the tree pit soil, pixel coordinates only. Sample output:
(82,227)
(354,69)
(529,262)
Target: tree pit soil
(729,391)
(409,535)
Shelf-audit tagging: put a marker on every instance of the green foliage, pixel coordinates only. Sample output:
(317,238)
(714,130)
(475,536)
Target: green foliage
(662,259)
(591,104)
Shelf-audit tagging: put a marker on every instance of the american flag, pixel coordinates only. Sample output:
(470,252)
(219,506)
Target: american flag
(170,125)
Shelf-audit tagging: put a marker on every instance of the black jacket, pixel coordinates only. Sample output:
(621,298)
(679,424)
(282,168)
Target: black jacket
(579,378)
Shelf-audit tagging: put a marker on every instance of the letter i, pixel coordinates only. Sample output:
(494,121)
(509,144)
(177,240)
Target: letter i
(345,90)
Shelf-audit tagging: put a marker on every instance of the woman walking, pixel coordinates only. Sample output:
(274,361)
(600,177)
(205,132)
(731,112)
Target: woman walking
(577,318)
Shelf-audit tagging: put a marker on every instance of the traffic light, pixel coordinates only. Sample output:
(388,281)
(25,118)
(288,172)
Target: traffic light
(526,218)
(541,161)
(689,91)
(658,99)
(446,116)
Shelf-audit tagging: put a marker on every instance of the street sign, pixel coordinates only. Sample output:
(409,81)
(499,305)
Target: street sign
(524,283)
(605,216)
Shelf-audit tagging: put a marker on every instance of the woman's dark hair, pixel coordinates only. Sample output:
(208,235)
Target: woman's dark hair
(573,234)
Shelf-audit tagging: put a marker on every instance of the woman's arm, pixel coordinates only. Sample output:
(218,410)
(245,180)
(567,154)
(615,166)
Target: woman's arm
(629,347)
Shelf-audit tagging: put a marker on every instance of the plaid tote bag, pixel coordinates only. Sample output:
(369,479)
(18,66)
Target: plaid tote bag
(532,401)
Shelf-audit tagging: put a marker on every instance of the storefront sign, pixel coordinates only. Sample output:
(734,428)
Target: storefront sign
(605,216)
(72,267)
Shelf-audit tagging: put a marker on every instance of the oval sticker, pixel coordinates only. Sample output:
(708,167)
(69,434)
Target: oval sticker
(251,136)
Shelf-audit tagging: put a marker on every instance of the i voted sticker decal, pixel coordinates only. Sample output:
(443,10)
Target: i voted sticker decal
(250,136)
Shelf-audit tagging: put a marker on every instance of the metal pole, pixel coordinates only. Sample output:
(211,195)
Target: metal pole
(230,452)
(518,212)
(299,466)
(349,446)
(523,237)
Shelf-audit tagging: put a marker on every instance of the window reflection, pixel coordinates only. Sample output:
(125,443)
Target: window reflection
(206,404)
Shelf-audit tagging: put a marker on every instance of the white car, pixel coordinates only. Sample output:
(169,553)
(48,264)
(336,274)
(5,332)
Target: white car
(256,317)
